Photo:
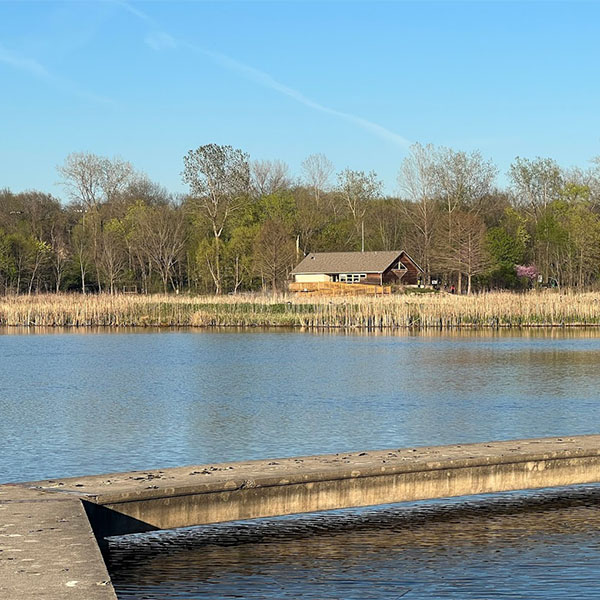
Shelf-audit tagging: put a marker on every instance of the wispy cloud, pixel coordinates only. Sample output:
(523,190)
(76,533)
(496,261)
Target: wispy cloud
(270,82)
(24,64)
(38,71)
(136,12)
(161,40)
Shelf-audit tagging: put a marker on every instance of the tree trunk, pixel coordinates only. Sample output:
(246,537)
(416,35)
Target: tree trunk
(217,273)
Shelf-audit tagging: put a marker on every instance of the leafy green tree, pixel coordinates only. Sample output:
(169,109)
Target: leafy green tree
(7,267)
(219,179)
(238,257)
(274,253)
(505,251)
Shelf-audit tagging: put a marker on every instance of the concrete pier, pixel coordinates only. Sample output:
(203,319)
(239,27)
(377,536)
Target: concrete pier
(48,549)
(162,499)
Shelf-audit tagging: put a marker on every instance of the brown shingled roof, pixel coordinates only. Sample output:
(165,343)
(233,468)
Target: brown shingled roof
(347,262)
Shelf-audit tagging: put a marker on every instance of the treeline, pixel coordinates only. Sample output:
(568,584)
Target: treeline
(245,224)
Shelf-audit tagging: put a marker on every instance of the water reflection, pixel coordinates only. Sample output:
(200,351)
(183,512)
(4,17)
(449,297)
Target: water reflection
(83,401)
(532,545)
(463,332)
(77,403)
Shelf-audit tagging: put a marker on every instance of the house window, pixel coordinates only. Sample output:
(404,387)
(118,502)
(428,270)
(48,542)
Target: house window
(352,277)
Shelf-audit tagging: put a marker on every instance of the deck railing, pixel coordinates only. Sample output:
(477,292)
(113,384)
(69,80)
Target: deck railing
(332,288)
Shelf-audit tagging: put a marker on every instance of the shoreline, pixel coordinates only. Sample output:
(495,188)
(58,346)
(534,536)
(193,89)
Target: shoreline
(300,328)
(494,310)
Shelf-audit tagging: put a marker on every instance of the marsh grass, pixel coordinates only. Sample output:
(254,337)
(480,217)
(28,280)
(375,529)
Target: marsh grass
(442,311)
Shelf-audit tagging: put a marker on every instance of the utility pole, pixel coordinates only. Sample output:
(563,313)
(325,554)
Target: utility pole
(362,235)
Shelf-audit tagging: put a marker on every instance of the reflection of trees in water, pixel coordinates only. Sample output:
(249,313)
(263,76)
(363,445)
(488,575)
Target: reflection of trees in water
(332,542)
(542,333)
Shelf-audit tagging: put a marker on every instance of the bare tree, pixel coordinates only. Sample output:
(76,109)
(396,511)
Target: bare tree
(113,257)
(466,252)
(593,181)
(91,179)
(274,253)
(357,189)
(61,251)
(417,180)
(160,235)
(463,181)
(83,251)
(219,179)
(536,183)
(82,177)
(317,170)
(117,175)
(388,227)
(40,252)
(583,184)
(143,189)
(309,220)
(268,177)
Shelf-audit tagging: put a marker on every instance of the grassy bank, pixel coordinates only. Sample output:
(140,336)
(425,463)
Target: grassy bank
(431,311)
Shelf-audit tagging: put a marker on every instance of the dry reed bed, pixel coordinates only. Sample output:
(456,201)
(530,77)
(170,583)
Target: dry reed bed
(501,309)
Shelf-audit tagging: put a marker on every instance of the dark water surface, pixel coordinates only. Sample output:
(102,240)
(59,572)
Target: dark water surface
(80,403)
(542,545)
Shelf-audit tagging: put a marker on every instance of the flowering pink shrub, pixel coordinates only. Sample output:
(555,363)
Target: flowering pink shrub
(529,271)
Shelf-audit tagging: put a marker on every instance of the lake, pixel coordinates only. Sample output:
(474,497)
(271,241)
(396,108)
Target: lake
(77,403)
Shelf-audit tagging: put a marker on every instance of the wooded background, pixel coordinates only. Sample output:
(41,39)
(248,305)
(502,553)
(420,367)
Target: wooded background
(245,224)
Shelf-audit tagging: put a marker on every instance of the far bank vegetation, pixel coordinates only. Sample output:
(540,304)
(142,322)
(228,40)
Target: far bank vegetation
(442,311)
(245,223)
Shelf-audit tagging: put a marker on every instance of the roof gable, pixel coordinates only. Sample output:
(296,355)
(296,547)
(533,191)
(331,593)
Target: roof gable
(347,262)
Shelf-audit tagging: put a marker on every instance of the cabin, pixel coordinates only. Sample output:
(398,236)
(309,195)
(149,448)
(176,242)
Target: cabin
(374,268)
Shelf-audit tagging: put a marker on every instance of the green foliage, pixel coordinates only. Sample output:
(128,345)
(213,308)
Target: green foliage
(504,248)
(420,291)
(505,251)
(245,224)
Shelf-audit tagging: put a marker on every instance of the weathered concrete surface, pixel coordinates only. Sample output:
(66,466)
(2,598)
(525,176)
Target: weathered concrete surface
(47,548)
(169,498)
(49,517)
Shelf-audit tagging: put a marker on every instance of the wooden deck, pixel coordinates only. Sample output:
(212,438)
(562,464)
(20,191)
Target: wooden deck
(330,288)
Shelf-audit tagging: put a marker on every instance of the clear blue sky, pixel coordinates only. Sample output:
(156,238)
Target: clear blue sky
(357,81)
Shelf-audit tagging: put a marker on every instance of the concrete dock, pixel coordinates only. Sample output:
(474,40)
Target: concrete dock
(48,529)
(48,549)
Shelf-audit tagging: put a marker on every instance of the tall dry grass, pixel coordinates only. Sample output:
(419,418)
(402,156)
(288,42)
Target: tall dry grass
(499,309)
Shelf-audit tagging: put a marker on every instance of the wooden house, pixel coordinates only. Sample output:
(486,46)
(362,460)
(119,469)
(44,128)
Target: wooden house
(374,268)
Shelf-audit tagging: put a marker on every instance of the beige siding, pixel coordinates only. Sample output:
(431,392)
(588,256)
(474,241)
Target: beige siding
(311,277)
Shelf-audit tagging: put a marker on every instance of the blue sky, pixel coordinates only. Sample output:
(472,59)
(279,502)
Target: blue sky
(357,81)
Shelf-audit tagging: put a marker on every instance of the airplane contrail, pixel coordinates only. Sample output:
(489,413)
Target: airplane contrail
(37,70)
(160,40)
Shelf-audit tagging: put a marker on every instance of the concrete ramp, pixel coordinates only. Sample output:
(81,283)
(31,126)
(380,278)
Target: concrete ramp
(121,503)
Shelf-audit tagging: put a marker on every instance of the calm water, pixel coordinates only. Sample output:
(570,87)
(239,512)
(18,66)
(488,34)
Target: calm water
(76,403)
(518,547)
